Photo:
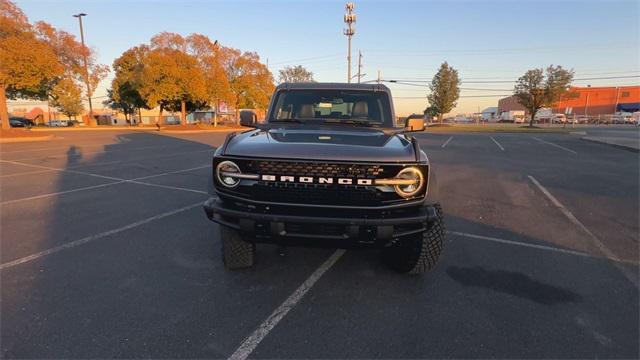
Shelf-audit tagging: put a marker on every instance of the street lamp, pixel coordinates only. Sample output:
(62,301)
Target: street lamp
(86,66)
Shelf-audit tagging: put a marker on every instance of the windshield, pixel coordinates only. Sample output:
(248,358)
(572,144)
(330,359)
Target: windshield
(332,106)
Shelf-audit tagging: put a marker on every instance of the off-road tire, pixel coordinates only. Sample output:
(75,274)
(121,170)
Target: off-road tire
(236,252)
(417,254)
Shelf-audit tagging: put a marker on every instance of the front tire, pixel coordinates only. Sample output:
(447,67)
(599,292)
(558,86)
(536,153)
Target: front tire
(236,252)
(417,254)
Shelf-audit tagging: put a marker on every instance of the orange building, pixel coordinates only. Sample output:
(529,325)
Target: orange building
(589,101)
(601,100)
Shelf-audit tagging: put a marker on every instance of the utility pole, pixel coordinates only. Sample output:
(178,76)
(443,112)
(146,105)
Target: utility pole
(359,66)
(379,79)
(86,66)
(349,19)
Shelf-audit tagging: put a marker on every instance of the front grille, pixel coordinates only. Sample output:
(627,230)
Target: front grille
(316,193)
(293,168)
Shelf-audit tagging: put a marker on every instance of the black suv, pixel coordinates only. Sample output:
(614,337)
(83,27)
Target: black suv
(328,168)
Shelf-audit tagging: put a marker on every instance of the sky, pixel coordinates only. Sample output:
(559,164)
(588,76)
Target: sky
(486,41)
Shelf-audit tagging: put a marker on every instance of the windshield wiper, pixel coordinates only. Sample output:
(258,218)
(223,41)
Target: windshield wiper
(352,122)
(293,120)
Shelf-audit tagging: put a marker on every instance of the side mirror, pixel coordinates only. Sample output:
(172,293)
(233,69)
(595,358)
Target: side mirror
(414,124)
(248,118)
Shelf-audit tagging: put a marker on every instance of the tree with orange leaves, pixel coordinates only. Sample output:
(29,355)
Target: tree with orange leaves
(35,58)
(251,81)
(29,68)
(171,79)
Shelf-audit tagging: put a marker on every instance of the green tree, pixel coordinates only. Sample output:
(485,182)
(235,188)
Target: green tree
(445,90)
(295,74)
(29,68)
(430,112)
(66,96)
(125,94)
(539,88)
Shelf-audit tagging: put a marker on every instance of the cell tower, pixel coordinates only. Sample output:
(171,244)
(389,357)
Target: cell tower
(349,19)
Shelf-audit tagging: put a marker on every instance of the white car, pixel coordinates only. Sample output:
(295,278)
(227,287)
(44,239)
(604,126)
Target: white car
(58,123)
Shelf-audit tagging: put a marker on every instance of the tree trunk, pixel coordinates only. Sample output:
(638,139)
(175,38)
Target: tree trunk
(4,112)
(139,116)
(533,114)
(215,114)
(440,118)
(183,112)
(159,120)
(238,113)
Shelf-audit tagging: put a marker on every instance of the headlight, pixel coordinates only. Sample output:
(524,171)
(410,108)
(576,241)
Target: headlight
(227,173)
(411,182)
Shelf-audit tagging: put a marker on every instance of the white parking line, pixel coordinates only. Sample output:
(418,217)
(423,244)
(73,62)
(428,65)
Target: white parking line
(497,143)
(251,342)
(117,181)
(446,142)
(70,168)
(28,173)
(90,238)
(594,239)
(82,153)
(556,145)
(511,242)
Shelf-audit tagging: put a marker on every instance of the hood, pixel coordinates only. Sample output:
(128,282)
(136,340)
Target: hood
(338,143)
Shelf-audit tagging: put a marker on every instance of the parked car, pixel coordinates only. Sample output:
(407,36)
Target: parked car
(16,123)
(58,123)
(328,168)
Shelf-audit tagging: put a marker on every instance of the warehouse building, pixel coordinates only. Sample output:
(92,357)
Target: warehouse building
(588,101)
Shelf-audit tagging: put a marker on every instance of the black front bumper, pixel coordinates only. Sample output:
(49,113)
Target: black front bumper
(316,230)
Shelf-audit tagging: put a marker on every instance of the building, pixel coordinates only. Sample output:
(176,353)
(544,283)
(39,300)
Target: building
(509,104)
(590,101)
(600,100)
(490,113)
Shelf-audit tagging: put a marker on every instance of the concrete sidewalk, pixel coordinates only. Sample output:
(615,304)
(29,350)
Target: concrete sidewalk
(625,143)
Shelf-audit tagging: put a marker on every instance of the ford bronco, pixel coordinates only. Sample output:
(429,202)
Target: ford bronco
(327,168)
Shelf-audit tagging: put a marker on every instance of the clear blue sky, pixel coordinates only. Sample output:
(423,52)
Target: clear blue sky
(484,40)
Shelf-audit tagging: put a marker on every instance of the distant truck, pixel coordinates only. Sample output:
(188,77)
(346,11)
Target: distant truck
(514,116)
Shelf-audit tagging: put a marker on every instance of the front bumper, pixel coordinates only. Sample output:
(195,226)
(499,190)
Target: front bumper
(316,230)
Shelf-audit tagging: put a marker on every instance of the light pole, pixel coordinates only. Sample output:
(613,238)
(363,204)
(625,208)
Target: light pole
(349,19)
(86,66)
(215,80)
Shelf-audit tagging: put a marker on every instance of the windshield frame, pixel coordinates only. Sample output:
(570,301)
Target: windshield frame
(385,101)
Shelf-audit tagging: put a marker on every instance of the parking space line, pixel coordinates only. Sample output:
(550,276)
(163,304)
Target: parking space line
(250,343)
(497,143)
(91,152)
(594,239)
(117,181)
(556,145)
(446,142)
(28,173)
(90,238)
(70,168)
(518,243)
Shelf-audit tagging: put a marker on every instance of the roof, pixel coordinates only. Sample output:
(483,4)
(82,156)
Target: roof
(333,86)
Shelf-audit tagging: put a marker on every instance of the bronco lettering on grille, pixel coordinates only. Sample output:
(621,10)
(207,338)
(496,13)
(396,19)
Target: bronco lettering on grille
(319,180)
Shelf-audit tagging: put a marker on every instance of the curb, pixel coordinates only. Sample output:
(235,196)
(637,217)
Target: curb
(26,139)
(618,146)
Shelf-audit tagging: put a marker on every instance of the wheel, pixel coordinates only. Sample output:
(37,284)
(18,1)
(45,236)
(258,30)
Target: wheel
(236,252)
(418,253)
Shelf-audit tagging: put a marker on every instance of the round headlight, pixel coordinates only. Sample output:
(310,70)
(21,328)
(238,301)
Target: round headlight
(414,183)
(225,171)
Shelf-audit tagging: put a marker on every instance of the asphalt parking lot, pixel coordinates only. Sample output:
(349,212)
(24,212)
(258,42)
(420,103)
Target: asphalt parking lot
(106,252)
